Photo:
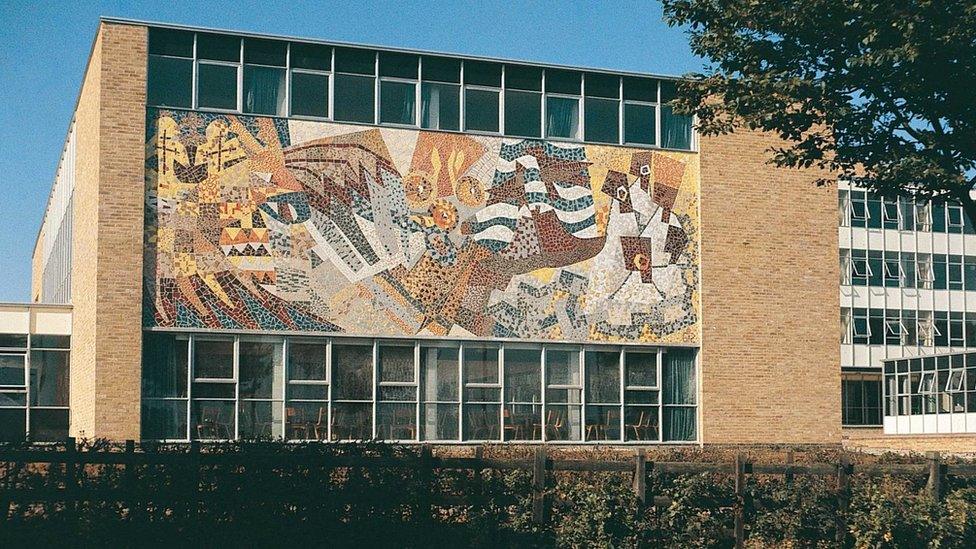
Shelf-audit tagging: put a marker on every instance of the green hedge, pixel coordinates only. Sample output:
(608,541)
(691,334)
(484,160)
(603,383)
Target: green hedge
(310,503)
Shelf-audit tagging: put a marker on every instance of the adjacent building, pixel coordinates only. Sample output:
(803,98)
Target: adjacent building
(263,236)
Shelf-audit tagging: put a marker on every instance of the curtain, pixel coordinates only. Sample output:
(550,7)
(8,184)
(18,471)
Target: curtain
(680,387)
(430,100)
(675,129)
(264,90)
(562,117)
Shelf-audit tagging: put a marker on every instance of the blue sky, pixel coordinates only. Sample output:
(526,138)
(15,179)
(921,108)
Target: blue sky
(44,47)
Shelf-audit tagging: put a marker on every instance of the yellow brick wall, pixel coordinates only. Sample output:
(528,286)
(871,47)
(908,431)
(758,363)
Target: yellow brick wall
(950,444)
(107,237)
(36,278)
(770,308)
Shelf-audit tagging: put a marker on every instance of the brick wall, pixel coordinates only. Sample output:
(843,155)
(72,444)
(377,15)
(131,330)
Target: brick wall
(963,444)
(107,237)
(36,262)
(770,308)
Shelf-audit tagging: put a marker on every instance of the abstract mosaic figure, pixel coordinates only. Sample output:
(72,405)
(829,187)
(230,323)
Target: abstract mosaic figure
(372,231)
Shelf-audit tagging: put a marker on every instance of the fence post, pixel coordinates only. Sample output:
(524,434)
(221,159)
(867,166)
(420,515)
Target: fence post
(789,468)
(934,485)
(640,476)
(740,500)
(539,486)
(843,498)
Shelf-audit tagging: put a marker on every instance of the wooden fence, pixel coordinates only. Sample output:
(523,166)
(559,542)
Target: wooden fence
(540,465)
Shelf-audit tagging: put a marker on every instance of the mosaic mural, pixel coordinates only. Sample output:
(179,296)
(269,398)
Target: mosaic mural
(259,223)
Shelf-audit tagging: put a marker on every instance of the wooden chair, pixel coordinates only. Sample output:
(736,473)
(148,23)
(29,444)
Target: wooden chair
(641,427)
(512,425)
(320,424)
(403,422)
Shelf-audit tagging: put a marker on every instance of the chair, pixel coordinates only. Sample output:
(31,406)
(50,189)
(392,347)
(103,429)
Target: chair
(295,422)
(512,425)
(641,427)
(320,424)
(403,422)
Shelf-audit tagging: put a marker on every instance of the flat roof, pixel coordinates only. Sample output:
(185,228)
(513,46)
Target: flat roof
(157,24)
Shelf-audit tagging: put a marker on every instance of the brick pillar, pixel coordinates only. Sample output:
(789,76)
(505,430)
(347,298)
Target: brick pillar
(107,237)
(770,299)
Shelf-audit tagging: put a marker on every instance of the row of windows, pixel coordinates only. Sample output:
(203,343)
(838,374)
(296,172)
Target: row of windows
(931,385)
(907,327)
(215,388)
(33,387)
(270,77)
(907,270)
(863,209)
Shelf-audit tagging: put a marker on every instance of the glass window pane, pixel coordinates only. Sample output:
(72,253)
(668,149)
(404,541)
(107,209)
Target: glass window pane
(440,106)
(307,361)
(482,73)
(355,61)
(640,423)
(265,52)
(639,124)
(523,375)
(213,359)
(603,377)
(170,42)
(17,341)
(352,421)
(309,94)
(218,47)
(560,81)
(396,421)
(264,90)
(311,56)
(164,365)
(481,421)
(439,421)
(523,113)
(396,363)
(209,389)
(563,367)
(307,421)
(163,419)
(39,341)
(303,391)
(261,371)
(398,65)
(602,422)
(354,98)
(641,369)
(668,90)
(680,383)
(212,419)
(13,425)
(480,365)
(170,82)
(49,378)
(260,420)
(352,372)
(12,370)
(217,86)
(675,129)
(640,89)
(521,77)
(564,422)
(679,423)
(439,368)
(602,120)
(481,110)
(398,103)
(562,117)
(49,425)
(601,85)
(11,398)
(441,69)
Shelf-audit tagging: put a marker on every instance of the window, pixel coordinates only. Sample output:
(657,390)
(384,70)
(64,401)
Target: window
(846,267)
(396,412)
(844,207)
(523,101)
(165,367)
(440,383)
(675,128)
(307,394)
(893,329)
(482,91)
(398,88)
(923,217)
(875,217)
(260,389)
(354,88)
(603,418)
(264,76)
(218,67)
(859,208)
(601,108)
(926,272)
(955,272)
(563,91)
(860,268)
(352,379)
(641,397)
(861,398)
(440,93)
(482,393)
(212,408)
(907,211)
(892,269)
(680,395)
(927,330)
(564,393)
(311,67)
(640,111)
(954,218)
(846,321)
(889,213)
(170,68)
(861,327)
(522,412)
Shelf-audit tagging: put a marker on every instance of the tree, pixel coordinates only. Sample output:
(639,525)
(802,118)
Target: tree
(880,90)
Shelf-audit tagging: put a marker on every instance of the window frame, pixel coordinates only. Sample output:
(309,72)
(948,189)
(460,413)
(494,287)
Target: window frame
(239,65)
(330,74)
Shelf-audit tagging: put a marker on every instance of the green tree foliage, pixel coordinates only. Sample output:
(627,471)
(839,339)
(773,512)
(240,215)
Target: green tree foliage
(871,88)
